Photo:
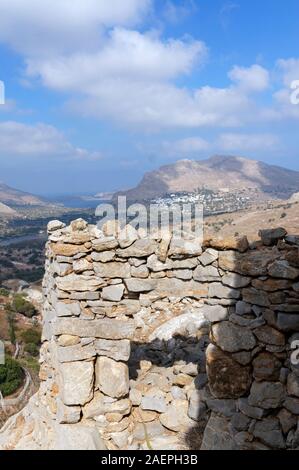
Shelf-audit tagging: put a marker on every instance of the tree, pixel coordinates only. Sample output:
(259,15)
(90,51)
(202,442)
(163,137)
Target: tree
(11,376)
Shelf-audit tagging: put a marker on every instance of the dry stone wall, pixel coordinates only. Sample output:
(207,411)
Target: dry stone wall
(165,343)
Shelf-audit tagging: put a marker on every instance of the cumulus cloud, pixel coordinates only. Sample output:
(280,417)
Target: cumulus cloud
(125,55)
(289,68)
(91,51)
(254,78)
(40,140)
(35,27)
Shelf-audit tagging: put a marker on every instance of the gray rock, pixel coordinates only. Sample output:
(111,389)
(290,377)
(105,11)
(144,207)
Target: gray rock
(184,274)
(112,378)
(103,257)
(151,430)
(292,405)
(208,257)
(68,414)
(102,404)
(253,412)
(141,272)
(180,248)
(293,385)
(78,437)
(155,265)
(224,407)
(272,236)
(266,395)
(112,270)
(223,292)
(206,274)
(81,265)
(217,435)
(105,329)
(75,353)
(140,285)
(268,431)
(77,382)
(64,309)
(215,313)
(281,269)
(117,350)
(62,269)
(235,280)
(113,293)
(154,400)
(197,408)
(176,417)
(140,249)
(54,225)
(287,420)
(233,338)
(240,422)
(267,334)
(79,283)
(104,244)
(255,297)
(242,308)
(287,322)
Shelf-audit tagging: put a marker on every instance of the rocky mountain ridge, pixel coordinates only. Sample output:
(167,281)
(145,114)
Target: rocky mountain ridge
(218,173)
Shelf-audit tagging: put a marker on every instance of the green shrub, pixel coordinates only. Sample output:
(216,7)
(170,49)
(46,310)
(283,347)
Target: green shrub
(32,336)
(21,305)
(11,377)
(4,292)
(32,349)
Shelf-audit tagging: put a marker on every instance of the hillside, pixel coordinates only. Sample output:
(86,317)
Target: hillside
(220,173)
(13,197)
(7,211)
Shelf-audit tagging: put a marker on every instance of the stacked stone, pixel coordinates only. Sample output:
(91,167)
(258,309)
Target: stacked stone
(253,392)
(127,326)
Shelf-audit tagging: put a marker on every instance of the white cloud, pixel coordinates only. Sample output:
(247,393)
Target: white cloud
(254,78)
(40,140)
(35,27)
(126,55)
(234,142)
(289,68)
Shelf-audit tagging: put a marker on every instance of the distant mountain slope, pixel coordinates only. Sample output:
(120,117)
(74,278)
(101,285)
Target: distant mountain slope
(10,196)
(216,173)
(7,211)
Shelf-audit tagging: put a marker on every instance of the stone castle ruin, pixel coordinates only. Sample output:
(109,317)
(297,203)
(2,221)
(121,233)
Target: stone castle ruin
(165,344)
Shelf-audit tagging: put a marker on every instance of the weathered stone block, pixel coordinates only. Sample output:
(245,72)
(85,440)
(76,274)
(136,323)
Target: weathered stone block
(77,382)
(112,378)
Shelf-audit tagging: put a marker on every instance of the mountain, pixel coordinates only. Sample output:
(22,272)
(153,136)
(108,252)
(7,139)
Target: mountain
(7,211)
(13,197)
(218,173)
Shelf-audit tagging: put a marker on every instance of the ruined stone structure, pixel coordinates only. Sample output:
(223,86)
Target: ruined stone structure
(165,344)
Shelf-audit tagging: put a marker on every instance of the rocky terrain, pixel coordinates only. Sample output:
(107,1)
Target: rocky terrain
(219,173)
(164,343)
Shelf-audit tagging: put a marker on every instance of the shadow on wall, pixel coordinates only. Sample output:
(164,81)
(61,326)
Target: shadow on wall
(243,386)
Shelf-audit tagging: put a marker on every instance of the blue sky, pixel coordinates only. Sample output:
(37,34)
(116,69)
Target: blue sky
(99,92)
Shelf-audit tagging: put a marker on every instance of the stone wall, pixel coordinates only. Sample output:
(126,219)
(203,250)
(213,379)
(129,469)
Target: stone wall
(165,344)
